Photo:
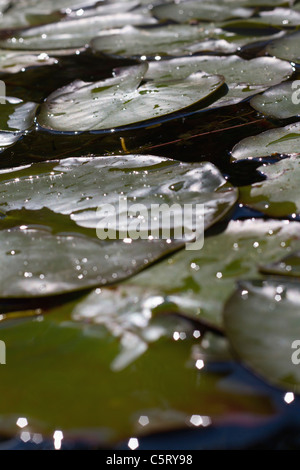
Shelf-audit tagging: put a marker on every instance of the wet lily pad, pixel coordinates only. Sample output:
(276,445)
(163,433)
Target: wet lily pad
(261,321)
(184,283)
(122,100)
(33,12)
(16,115)
(287,266)
(7,139)
(71,33)
(286,47)
(279,18)
(280,141)
(170,40)
(37,263)
(190,10)
(113,7)
(14,62)
(278,195)
(280,102)
(100,181)
(266,3)
(110,408)
(243,77)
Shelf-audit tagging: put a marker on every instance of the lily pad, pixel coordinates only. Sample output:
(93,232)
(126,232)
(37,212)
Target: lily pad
(17,16)
(261,321)
(280,102)
(190,10)
(122,100)
(279,18)
(266,3)
(110,408)
(283,17)
(198,283)
(37,263)
(71,33)
(33,12)
(7,139)
(286,48)
(170,40)
(278,195)
(100,181)
(287,266)
(112,7)
(280,141)
(16,115)
(243,77)
(14,62)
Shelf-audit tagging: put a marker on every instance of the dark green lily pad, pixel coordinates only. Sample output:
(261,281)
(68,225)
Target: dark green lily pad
(14,62)
(243,77)
(286,48)
(122,100)
(280,102)
(279,18)
(37,263)
(281,141)
(262,322)
(110,408)
(170,40)
(113,7)
(7,139)
(99,181)
(266,3)
(190,10)
(288,266)
(17,115)
(198,283)
(278,195)
(70,33)
(34,12)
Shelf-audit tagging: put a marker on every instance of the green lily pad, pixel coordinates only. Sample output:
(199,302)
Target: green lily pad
(71,33)
(186,11)
(110,408)
(266,3)
(262,322)
(33,12)
(100,181)
(278,195)
(243,77)
(122,100)
(279,18)
(37,263)
(16,115)
(286,47)
(281,141)
(16,18)
(283,17)
(170,40)
(138,318)
(7,139)
(115,7)
(287,266)
(198,283)
(14,62)
(280,102)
